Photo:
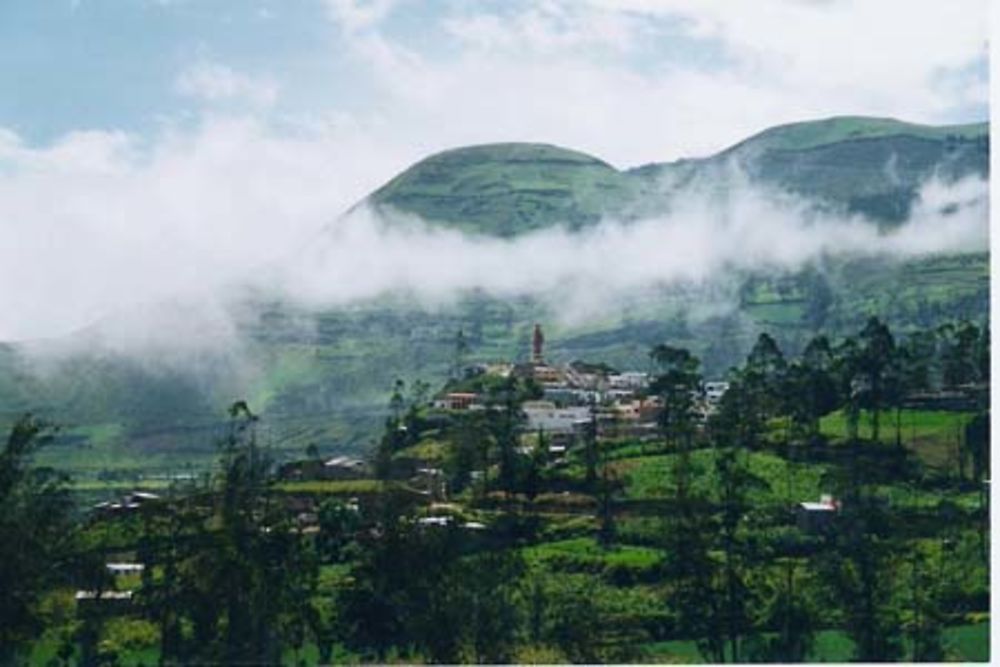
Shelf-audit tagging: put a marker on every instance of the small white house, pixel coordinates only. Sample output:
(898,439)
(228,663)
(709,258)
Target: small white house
(715,390)
(343,467)
(103,595)
(631,380)
(439,521)
(816,517)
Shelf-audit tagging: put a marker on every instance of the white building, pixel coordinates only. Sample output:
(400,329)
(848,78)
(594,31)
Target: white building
(545,416)
(814,517)
(715,390)
(632,380)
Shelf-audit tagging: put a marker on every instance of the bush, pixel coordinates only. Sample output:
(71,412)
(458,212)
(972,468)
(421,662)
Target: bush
(124,635)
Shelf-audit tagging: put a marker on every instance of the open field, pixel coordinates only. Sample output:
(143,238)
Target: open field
(934,436)
(964,643)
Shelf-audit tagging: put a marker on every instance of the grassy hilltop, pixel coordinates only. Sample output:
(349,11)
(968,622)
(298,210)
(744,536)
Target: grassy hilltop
(509,189)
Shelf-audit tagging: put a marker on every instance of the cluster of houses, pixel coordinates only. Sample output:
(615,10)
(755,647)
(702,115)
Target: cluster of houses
(578,399)
(580,396)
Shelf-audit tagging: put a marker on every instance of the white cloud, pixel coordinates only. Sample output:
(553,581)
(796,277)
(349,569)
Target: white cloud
(215,82)
(355,15)
(102,220)
(638,81)
(549,26)
(878,50)
(701,242)
(99,222)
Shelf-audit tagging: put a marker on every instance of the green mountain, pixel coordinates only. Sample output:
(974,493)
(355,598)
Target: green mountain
(327,383)
(870,166)
(849,165)
(508,189)
(817,133)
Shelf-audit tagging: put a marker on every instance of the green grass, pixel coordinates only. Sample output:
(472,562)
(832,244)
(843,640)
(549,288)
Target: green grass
(905,497)
(115,485)
(832,646)
(682,651)
(809,134)
(425,450)
(333,577)
(290,365)
(508,189)
(965,643)
(915,293)
(586,550)
(780,314)
(931,434)
(916,424)
(969,643)
(345,487)
(44,652)
(650,477)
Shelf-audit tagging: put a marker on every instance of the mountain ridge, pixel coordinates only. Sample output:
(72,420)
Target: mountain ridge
(479,189)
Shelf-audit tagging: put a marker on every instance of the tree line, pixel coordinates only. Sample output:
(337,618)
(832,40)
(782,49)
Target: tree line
(233,577)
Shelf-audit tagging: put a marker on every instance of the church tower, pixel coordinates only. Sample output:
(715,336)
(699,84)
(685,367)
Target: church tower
(537,342)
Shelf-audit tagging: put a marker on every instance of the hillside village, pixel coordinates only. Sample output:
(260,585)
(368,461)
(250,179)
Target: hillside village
(569,402)
(581,473)
(576,395)
(562,408)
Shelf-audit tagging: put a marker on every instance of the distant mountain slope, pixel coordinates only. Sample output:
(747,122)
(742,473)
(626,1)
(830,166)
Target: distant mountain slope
(815,133)
(853,165)
(870,166)
(508,189)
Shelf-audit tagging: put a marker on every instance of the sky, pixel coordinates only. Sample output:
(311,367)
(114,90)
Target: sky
(156,148)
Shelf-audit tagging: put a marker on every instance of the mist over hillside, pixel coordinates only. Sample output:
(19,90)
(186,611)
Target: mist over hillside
(800,227)
(706,240)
